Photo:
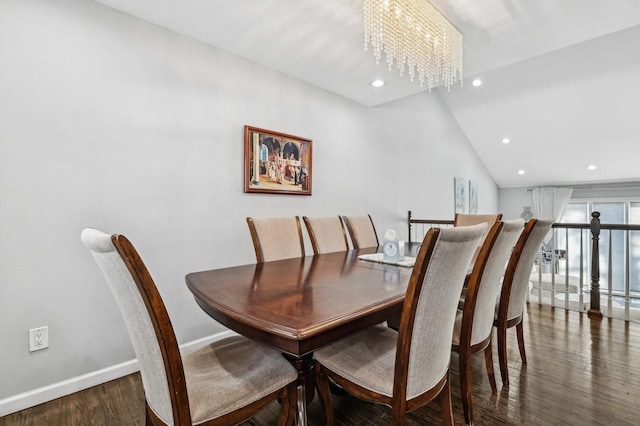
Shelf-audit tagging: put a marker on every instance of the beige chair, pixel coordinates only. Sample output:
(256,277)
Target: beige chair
(408,368)
(461,219)
(223,383)
(362,231)
(326,234)
(515,285)
(276,238)
(474,324)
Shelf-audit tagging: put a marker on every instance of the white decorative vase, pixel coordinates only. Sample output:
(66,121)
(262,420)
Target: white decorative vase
(526,214)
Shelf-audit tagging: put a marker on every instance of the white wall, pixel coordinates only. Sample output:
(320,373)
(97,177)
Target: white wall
(421,138)
(513,201)
(110,122)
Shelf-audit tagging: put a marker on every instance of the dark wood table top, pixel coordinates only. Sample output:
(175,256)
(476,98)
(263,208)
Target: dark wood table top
(299,305)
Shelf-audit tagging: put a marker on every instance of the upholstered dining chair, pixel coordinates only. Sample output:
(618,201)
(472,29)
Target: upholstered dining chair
(276,238)
(474,323)
(461,219)
(362,231)
(223,383)
(326,234)
(408,368)
(515,285)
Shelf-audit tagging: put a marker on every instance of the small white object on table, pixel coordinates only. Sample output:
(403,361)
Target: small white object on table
(408,261)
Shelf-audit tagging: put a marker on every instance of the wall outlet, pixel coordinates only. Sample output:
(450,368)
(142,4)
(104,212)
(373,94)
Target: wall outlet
(38,338)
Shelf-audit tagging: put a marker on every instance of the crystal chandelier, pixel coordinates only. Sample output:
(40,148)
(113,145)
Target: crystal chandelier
(415,34)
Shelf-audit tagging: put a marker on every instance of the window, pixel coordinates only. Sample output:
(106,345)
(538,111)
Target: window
(615,245)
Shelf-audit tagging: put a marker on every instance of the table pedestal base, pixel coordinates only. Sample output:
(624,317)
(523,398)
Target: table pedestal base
(306,385)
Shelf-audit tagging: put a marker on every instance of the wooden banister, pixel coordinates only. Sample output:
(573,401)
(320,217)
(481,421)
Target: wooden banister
(594,309)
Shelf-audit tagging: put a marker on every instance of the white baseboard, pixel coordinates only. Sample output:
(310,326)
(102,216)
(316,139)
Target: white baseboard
(66,387)
(75,384)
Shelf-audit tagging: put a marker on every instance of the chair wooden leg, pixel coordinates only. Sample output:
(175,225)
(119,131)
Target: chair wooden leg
(445,404)
(322,386)
(465,386)
(520,333)
(488,359)
(398,419)
(502,355)
(289,405)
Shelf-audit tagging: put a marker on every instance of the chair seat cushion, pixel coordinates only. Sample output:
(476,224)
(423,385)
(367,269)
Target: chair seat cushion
(231,373)
(366,358)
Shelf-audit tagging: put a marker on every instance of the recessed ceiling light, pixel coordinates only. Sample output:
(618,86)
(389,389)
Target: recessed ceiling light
(506,140)
(592,167)
(520,172)
(476,82)
(377,83)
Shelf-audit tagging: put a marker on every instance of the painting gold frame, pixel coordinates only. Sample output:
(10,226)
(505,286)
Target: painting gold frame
(277,163)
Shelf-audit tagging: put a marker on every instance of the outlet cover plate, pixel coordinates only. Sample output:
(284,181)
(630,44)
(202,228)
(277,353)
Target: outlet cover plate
(38,338)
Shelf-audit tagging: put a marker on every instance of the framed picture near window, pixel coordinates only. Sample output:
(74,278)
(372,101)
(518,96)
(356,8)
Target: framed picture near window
(276,163)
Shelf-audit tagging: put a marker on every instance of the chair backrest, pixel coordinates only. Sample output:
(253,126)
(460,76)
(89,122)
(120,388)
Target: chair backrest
(462,219)
(326,233)
(362,231)
(147,322)
(276,238)
(516,277)
(429,309)
(485,281)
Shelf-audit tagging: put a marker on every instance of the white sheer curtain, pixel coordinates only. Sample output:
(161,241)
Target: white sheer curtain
(550,202)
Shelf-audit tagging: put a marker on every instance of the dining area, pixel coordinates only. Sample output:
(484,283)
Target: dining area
(345,321)
(125,117)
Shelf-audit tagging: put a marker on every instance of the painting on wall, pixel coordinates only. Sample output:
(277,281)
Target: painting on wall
(460,193)
(276,163)
(473,197)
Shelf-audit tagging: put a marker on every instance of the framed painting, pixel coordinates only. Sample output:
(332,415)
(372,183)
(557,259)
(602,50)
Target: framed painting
(473,197)
(276,163)
(460,194)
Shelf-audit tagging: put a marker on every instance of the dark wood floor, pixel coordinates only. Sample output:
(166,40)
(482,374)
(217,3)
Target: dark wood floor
(580,372)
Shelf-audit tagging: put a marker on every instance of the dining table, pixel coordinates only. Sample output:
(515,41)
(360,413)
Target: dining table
(301,304)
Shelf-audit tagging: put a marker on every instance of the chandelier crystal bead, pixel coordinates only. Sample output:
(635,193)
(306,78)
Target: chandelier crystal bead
(413,34)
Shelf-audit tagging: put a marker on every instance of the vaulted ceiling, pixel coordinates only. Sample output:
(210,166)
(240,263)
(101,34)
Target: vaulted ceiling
(561,79)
